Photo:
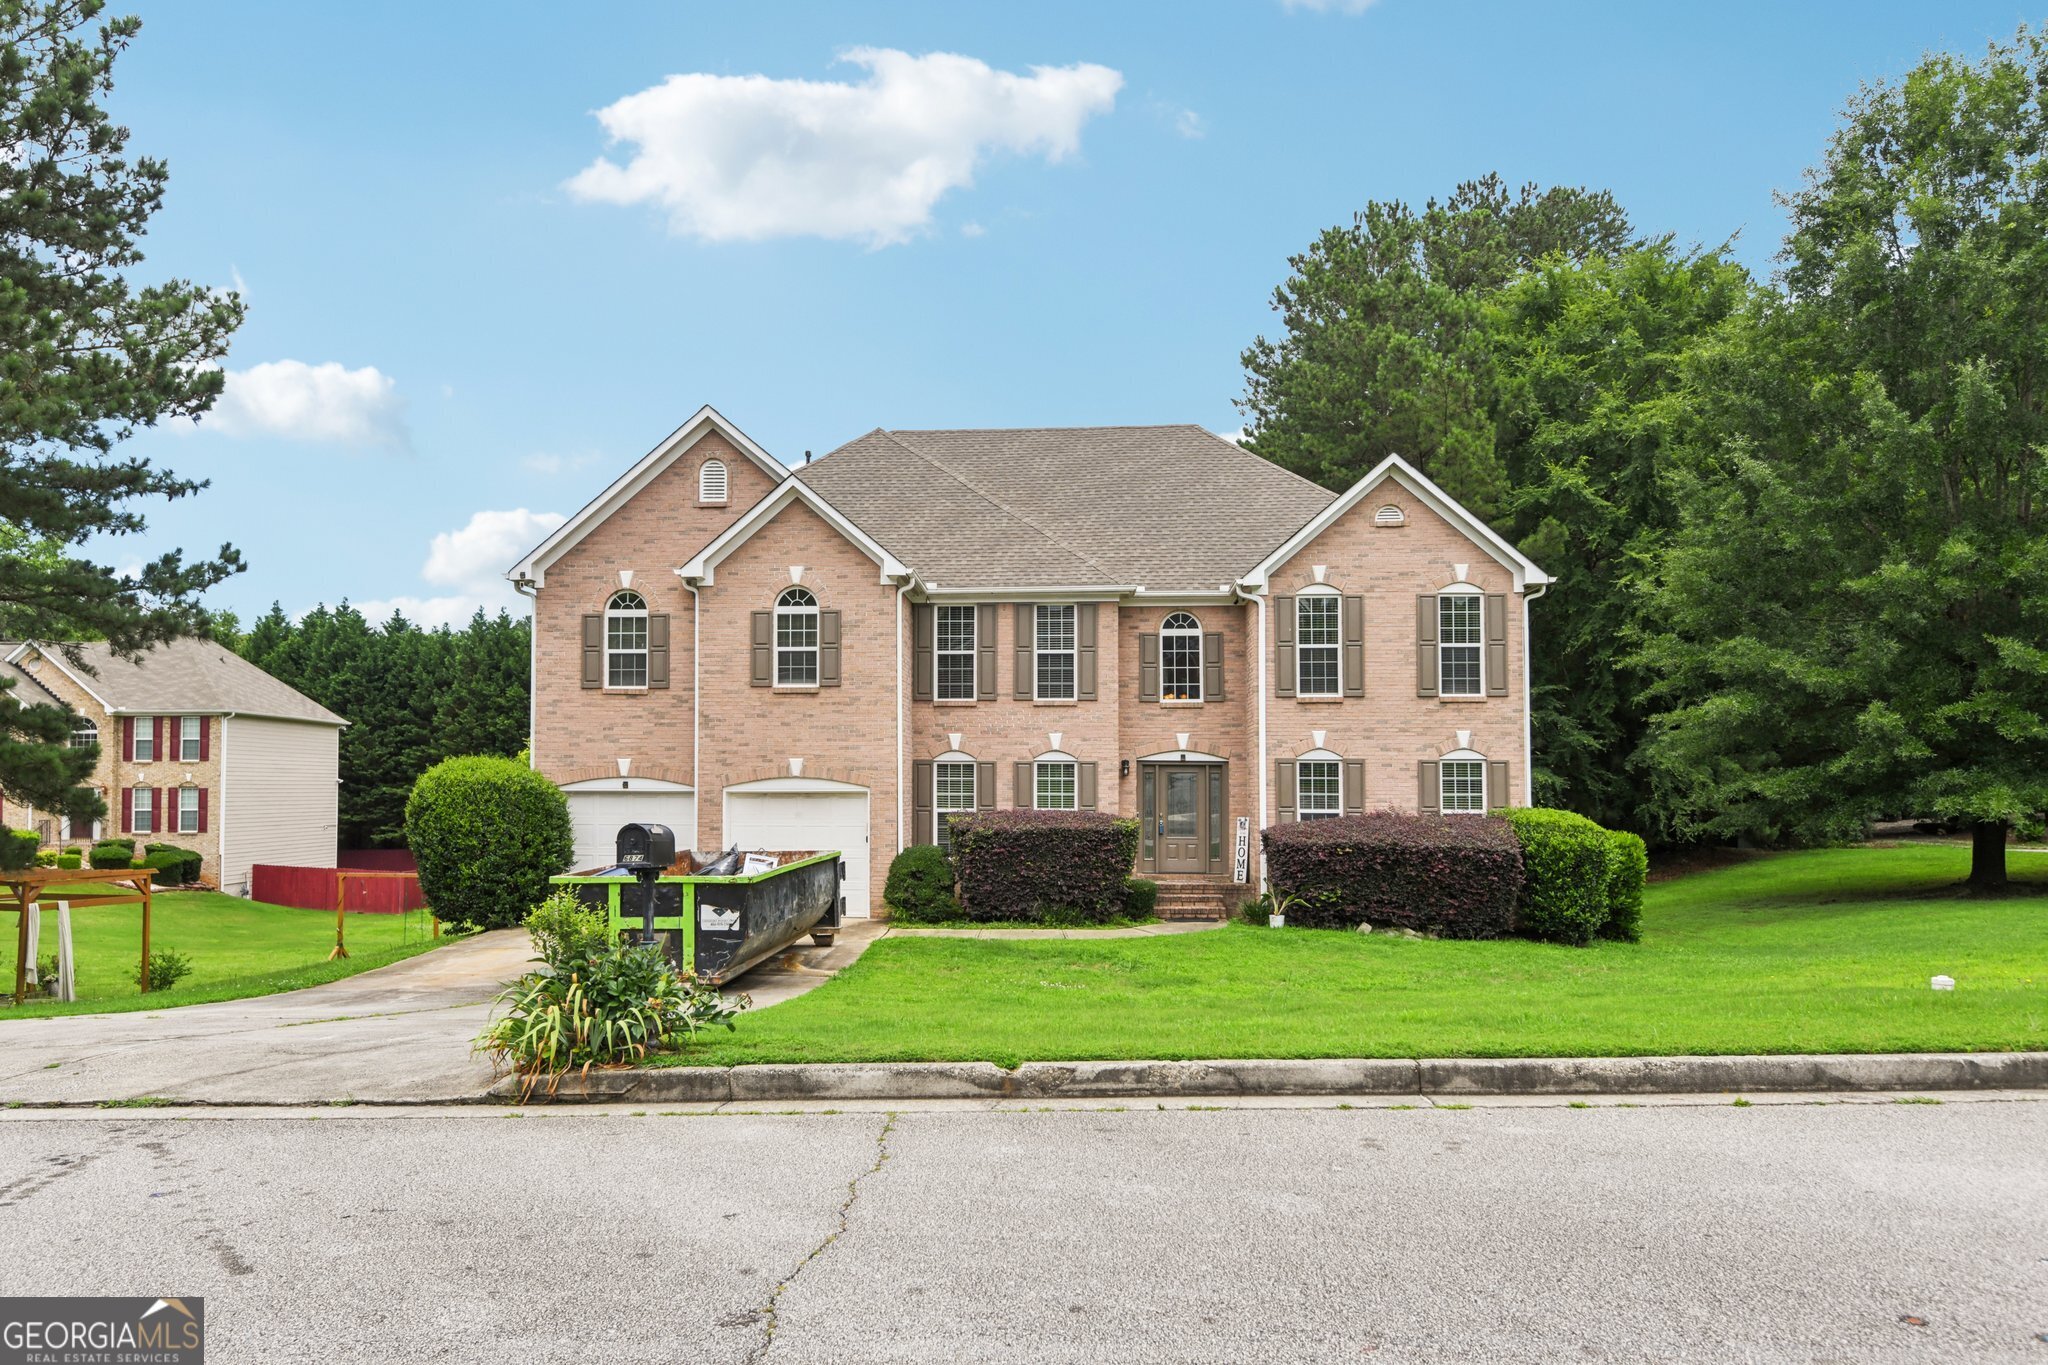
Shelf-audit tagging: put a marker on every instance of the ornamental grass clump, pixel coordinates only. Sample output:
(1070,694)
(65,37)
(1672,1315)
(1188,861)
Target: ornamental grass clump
(594,1002)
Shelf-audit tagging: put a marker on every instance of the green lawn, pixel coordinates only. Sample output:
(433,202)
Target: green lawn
(238,948)
(1826,951)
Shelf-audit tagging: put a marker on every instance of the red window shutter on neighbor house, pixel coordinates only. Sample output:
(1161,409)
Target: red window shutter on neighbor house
(202,794)
(156,742)
(127,747)
(205,748)
(127,810)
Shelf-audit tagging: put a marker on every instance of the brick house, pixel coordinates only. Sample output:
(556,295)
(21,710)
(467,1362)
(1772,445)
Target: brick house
(1147,621)
(198,748)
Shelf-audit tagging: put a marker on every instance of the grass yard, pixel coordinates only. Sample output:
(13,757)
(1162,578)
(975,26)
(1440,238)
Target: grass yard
(238,948)
(1825,951)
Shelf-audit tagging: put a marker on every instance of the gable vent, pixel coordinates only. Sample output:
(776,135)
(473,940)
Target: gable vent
(711,481)
(1389,515)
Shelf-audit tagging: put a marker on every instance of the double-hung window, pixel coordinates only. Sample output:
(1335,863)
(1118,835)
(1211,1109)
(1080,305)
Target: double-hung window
(85,734)
(1464,786)
(1180,658)
(145,739)
(188,738)
(1054,783)
(142,810)
(1318,645)
(1458,644)
(952,794)
(954,627)
(1319,787)
(625,640)
(1055,662)
(188,810)
(796,638)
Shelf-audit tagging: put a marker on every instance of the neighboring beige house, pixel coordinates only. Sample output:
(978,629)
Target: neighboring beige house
(198,747)
(1150,621)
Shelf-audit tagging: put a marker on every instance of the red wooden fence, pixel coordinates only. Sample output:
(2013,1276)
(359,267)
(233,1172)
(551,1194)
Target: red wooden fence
(378,859)
(313,888)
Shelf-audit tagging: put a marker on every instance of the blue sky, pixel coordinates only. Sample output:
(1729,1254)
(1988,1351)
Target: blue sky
(470,308)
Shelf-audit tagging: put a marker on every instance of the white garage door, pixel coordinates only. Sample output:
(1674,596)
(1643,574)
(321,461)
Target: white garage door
(598,808)
(780,814)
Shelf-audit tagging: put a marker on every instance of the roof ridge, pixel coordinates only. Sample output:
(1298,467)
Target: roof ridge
(957,477)
(1297,477)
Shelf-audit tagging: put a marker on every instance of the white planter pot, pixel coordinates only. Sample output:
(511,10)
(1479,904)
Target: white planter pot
(1276,921)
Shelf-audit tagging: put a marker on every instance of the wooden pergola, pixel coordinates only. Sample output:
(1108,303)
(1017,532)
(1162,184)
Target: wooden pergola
(23,891)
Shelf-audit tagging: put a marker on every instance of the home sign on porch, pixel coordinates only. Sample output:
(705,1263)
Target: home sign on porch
(1242,869)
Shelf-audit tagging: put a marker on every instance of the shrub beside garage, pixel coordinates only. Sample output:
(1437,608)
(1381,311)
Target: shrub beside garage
(1037,866)
(1545,874)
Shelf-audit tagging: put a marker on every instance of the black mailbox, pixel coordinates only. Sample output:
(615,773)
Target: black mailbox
(646,846)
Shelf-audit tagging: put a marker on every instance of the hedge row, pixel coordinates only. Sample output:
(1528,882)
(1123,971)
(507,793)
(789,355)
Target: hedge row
(1546,874)
(1457,876)
(1021,866)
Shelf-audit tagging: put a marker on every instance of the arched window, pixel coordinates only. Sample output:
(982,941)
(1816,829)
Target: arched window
(1180,658)
(711,481)
(1055,782)
(796,638)
(1319,643)
(1460,641)
(1461,781)
(85,734)
(1318,785)
(625,640)
(953,792)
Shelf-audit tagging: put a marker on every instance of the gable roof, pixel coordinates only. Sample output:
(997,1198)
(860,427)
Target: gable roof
(183,677)
(703,565)
(1168,508)
(1443,504)
(533,567)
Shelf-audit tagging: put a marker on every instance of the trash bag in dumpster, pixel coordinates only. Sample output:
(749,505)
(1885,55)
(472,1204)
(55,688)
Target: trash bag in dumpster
(726,864)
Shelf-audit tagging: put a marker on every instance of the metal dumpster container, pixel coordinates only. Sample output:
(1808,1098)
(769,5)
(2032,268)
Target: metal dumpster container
(718,927)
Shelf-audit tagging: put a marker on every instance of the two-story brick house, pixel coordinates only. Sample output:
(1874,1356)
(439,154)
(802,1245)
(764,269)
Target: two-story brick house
(1141,620)
(198,748)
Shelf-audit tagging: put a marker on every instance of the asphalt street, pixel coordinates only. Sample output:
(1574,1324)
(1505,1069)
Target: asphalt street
(1690,1231)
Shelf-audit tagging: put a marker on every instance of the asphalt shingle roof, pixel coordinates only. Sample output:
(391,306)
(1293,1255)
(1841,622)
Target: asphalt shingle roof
(190,677)
(1170,508)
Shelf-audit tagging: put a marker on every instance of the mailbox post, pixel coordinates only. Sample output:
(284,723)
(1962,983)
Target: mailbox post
(646,851)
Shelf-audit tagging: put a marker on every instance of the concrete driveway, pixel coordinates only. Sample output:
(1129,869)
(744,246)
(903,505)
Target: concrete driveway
(398,1034)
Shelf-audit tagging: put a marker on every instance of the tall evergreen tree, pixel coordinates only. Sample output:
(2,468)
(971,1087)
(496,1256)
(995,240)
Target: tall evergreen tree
(85,358)
(484,709)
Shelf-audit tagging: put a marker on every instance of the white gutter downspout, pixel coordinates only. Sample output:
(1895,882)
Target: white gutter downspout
(524,587)
(902,703)
(696,713)
(1528,685)
(1264,767)
(221,815)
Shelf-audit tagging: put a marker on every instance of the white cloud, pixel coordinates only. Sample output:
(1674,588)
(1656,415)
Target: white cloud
(743,158)
(544,463)
(301,402)
(1189,124)
(1234,437)
(972,229)
(1329,6)
(470,562)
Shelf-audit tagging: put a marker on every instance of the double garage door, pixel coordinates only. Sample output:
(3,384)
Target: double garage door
(793,813)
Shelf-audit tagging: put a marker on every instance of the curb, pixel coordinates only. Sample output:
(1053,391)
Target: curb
(1451,1076)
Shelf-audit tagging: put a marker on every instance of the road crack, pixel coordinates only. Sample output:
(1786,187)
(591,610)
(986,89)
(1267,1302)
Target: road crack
(766,1314)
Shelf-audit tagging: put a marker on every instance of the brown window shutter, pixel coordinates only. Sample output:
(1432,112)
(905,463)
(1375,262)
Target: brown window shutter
(1212,666)
(923,827)
(1084,785)
(1429,796)
(1084,651)
(1425,645)
(657,649)
(1499,796)
(1284,792)
(1496,644)
(763,674)
(202,810)
(1148,667)
(1354,786)
(1020,786)
(1022,684)
(923,634)
(984,786)
(985,652)
(828,649)
(1283,652)
(1354,646)
(593,650)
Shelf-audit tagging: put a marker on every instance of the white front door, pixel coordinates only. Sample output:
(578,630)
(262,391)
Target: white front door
(771,816)
(598,807)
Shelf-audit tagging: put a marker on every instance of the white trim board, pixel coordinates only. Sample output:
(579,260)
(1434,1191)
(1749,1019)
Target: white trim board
(703,566)
(1526,572)
(533,567)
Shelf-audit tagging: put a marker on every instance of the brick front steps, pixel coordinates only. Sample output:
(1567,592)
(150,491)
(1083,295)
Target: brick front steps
(1198,898)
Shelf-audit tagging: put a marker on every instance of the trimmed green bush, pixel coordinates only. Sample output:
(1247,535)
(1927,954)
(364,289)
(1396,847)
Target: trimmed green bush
(17,848)
(920,886)
(1564,887)
(1628,869)
(46,857)
(1034,866)
(1457,876)
(487,834)
(1141,897)
(69,861)
(112,853)
(174,866)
